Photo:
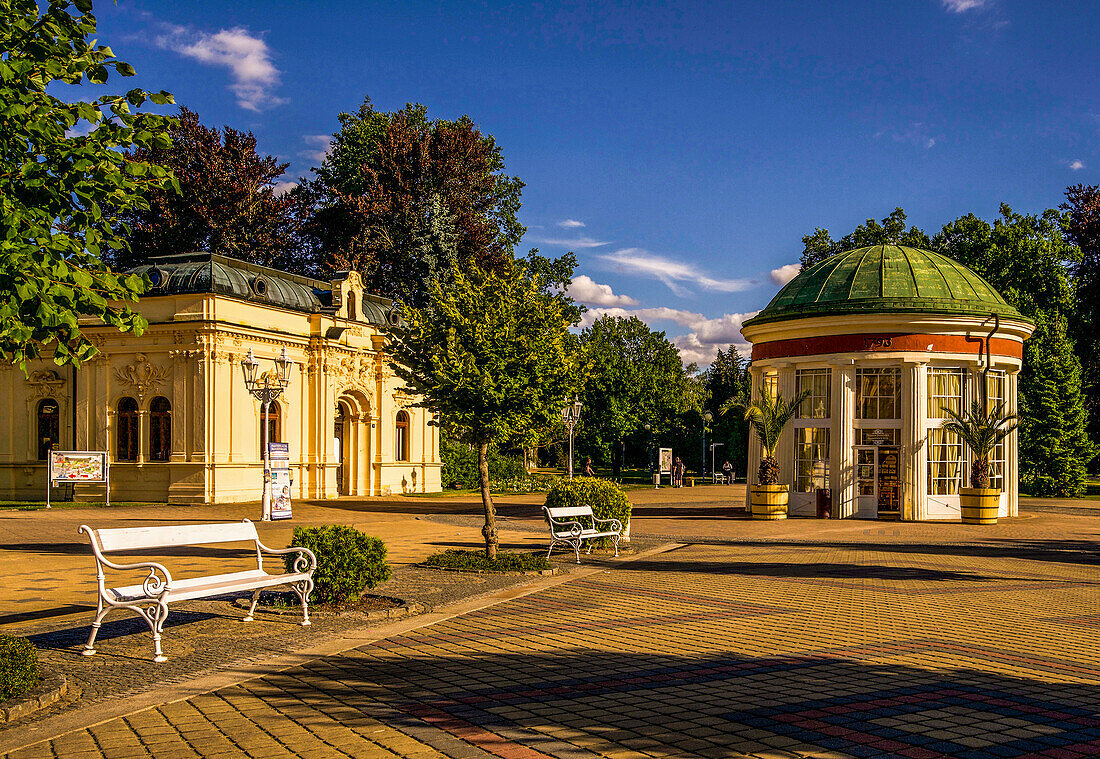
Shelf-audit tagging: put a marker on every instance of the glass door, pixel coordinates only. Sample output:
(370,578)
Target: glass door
(866,483)
(888,482)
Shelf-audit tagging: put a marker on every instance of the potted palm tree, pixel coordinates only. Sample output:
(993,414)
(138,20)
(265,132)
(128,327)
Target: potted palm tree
(768,416)
(980,432)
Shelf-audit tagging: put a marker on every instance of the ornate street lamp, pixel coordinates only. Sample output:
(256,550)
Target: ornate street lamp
(571,414)
(707,417)
(266,388)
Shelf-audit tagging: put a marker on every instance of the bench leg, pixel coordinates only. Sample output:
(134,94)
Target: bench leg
(155,615)
(89,647)
(252,608)
(615,540)
(303,589)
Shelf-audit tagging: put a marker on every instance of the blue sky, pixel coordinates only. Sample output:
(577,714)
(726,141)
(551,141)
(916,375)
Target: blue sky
(680,149)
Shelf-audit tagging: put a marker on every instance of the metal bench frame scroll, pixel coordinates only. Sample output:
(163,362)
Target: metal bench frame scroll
(566,528)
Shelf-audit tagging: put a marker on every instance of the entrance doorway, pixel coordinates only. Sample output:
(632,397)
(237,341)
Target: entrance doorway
(878,485)
(339,449)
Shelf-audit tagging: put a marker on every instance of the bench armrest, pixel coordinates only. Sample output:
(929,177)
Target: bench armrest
(615,523)
(153,586)
(575,528)
(306,561)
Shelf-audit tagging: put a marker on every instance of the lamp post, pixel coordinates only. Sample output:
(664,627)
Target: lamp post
(570,415)
(713,468)
(707,416)
(266,388)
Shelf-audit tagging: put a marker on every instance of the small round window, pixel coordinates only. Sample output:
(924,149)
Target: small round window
(259,286)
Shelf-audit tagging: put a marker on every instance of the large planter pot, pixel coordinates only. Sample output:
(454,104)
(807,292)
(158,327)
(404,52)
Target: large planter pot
(980,505)
(769,501)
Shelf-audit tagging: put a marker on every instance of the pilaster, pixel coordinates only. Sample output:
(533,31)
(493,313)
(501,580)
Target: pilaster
(842,453)
(1012,448)
(914,439)
(784,451)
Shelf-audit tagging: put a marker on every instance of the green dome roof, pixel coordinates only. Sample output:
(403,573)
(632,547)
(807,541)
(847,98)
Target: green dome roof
(885,279)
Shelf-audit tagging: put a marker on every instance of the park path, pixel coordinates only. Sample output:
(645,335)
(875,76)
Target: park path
(887,647)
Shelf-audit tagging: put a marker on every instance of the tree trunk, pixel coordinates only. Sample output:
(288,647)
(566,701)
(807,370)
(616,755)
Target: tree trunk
(490,528)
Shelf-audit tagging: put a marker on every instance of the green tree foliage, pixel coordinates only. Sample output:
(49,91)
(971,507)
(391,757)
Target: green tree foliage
(401,198)
(56,183)
(491,353)
(729,388)
(820,245)
(1026,258)
(1082,227)
(634,377)
(227,201)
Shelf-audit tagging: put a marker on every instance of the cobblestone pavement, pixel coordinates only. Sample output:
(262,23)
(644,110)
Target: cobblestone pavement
(892,646)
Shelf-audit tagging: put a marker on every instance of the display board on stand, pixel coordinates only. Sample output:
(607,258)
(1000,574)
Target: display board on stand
(664,460)
(71,467)
(281,480)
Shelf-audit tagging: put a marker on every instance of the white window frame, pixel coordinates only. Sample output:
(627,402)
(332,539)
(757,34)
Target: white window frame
(937,450)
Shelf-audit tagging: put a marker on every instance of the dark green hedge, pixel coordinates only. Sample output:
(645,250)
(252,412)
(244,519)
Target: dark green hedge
(608,501)
(18,666)
(348,561)
(504,562)
(460,466)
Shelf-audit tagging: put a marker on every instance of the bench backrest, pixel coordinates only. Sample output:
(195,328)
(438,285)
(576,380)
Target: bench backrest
(562,512)
(129,538)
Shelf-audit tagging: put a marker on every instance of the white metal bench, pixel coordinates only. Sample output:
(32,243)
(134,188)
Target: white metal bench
(150,599)
(573,525)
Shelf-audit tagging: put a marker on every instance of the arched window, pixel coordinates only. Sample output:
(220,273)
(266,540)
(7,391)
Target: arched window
(273,432)
(401,437)
(351,305)
(48,427)
(126,438)
(160,429)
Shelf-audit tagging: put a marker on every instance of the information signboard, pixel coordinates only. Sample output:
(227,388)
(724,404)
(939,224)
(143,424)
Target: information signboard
(77,466)
(666,460)
(280,480)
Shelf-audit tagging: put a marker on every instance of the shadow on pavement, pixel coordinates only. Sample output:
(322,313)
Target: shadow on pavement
(713,706)
(1061,551)
(803,570)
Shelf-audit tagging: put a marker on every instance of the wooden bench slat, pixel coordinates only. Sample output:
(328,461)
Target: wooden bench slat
(129,538)
(569,511)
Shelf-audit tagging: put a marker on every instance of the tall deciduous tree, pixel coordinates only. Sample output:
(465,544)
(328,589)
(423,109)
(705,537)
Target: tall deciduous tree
(491,353)
(730,391)
(401,198)
(635,377)
(1026,258)
(229,201)
(820,245)
(55,182)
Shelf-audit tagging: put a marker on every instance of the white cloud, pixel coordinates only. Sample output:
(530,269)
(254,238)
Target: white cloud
(247,57)
(961,6)
(571,224)
(282,188)
(580,242)
(703,340)
(1077,164)
(670,272)
(785,274)
(584,290)
(322,146)
(915,134)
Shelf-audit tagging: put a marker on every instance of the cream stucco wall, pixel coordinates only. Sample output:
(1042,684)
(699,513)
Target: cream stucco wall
(191,354)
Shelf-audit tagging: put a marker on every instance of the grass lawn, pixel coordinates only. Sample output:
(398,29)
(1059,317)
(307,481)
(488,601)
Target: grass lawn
(39,505)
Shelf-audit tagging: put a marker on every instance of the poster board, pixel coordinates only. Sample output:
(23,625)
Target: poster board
(665,460)
(280,480)
(77,466)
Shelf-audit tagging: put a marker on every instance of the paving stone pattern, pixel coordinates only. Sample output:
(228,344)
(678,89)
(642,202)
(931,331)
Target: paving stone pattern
(704,651)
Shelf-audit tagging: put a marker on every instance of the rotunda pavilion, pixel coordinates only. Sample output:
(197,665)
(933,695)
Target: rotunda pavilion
(885,338)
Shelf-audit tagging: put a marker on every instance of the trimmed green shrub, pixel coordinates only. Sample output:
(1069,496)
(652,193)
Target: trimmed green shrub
(454,558)
(18,666)
(607,499)
(460,466)
(348,561)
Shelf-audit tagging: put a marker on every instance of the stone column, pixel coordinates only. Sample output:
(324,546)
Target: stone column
(914,384)
(784,449)
(756,377)
(842,453)
(143,434)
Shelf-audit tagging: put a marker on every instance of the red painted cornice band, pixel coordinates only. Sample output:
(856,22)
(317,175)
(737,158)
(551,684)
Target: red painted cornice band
(892,342)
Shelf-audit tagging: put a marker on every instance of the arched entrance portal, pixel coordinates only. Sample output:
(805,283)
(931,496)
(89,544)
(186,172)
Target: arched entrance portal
(351,445)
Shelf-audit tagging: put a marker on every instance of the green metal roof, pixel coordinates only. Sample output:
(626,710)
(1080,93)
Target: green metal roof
(885,279)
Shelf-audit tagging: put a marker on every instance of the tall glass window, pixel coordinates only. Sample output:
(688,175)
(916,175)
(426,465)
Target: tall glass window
(771,384)
(49,426)
(126,435)
(160,429)
(811,458)
(816,381)
(996,390)
(946,390)
(401,437)
(878,393)
(273,431)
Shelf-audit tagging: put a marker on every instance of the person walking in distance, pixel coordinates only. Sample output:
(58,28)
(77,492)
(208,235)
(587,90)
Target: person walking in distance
(588,471)
(677,473)
(727,470)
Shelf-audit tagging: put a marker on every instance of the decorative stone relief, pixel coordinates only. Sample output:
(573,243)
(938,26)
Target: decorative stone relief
(44,383)
(142,376)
